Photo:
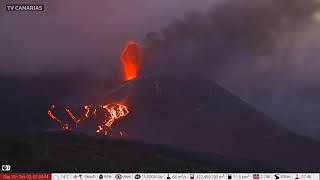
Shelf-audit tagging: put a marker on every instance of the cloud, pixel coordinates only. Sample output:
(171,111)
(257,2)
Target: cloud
(79,34)
(264,51)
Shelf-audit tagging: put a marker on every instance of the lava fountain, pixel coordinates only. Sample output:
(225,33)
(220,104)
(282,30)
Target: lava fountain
(131,60)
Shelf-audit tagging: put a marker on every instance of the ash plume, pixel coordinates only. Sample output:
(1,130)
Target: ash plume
(263,51)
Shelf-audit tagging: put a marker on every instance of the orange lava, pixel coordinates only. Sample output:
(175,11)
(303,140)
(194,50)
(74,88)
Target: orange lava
(75,120)
(114,112)
(95,112)
(131,60)
(111,112)
(87,111)
(65,126)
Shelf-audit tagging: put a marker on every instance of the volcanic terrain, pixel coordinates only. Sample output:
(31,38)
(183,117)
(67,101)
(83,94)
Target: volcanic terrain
(197,114)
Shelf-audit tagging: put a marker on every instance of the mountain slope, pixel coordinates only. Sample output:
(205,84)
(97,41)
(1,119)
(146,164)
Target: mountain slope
(197,114)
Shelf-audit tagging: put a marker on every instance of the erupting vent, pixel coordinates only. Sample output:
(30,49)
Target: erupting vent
(131,60)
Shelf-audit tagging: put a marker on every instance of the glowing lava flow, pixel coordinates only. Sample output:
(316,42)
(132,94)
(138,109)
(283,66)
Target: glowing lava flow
(65,126)
(111,113)
(75,120)
(131,60)
(115,111)
(87,111)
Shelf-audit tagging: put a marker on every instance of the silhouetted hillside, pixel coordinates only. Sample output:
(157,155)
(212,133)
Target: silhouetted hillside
(69,152)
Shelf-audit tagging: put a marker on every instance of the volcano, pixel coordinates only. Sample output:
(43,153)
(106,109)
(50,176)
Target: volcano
(197,114)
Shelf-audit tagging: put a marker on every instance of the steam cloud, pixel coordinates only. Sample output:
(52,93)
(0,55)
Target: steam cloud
(264,51)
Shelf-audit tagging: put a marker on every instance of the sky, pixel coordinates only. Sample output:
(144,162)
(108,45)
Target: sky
(80,33)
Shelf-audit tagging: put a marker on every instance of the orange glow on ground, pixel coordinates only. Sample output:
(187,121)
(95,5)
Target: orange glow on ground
(111,112)
(65,126)
(73,117)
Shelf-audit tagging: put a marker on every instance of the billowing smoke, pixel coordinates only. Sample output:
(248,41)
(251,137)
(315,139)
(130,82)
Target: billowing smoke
(71,35)
(264,51)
